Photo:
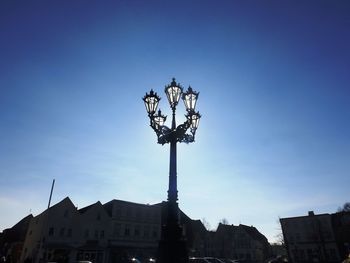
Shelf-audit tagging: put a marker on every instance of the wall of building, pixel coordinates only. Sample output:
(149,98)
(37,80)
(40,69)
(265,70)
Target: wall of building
(120,230)
(12,239)
(310,238)
(99,233)
(237,242)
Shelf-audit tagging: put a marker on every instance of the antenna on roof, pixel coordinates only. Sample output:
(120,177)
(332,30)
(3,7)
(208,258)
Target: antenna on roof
(53,184)
(39,255)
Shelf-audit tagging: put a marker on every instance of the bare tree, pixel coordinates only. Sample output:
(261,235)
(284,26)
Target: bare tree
(279,235)
(206,224)
(345,208)
(224,221)
(279,239)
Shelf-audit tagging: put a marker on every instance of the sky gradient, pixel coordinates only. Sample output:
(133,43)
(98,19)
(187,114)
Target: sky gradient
(273,78)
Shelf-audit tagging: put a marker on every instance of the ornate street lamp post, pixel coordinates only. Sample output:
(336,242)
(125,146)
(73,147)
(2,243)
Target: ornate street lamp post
(172,246)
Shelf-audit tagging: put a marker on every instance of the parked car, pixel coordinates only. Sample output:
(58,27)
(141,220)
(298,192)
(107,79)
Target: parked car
(198,260)
(213,260)
(135,260)
(228,260)
(278,259)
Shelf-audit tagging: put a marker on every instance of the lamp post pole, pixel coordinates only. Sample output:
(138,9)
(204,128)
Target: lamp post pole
(172,246)
(172,191)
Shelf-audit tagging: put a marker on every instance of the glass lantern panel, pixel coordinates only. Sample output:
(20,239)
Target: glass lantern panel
(173,94)
(194,119)
(159,120)
(190,101)
(151,104)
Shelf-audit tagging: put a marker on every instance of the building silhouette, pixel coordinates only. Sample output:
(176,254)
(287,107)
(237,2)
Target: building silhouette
(240,242)
(113,232)
(12,239)
(120,230)
(317,238)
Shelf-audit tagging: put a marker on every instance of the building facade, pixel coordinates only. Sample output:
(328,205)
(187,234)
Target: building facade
(113,232)
(12,240)
(240,242)
(119,230)
(310,238)
(341,226)
(135,230)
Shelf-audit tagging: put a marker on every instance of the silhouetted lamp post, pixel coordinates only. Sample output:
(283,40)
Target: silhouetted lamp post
(172,246)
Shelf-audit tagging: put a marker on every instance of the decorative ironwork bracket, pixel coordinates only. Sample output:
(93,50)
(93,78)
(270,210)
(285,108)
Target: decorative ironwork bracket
(167,135)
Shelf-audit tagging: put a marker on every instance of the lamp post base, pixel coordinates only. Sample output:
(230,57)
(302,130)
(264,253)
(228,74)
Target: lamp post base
(172,247)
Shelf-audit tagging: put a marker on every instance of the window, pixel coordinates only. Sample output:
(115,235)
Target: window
(96,234)
(154,232)
(117,228)
(127,230)
(148,215)
(69,232)
(124,211)
(154,215)
(309,254)
(87,233)
(66,212)
(98,217)
(139,213)
(295,254)
(51,231)
(137,231)
(102,234)
(117,212)
(146,232)
(128,211)
(291,239)
(62,232)
(332,253)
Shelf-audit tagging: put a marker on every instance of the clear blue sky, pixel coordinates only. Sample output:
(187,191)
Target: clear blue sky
(273,76)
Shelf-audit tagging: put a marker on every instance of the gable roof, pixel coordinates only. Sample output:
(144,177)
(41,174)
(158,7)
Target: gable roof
(23,222)
(66,200)
(84,209)
(87,208)
(254,233)
(109,205)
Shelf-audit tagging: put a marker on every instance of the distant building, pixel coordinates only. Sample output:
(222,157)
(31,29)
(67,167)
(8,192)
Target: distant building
(238,242)
(99,233)
(134,230)
(113,232)
(12,239)
(53,234)
(278,250)
(119,230)
(310,238)
(341,227)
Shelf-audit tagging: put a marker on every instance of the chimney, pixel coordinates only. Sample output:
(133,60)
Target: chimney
(311,213)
